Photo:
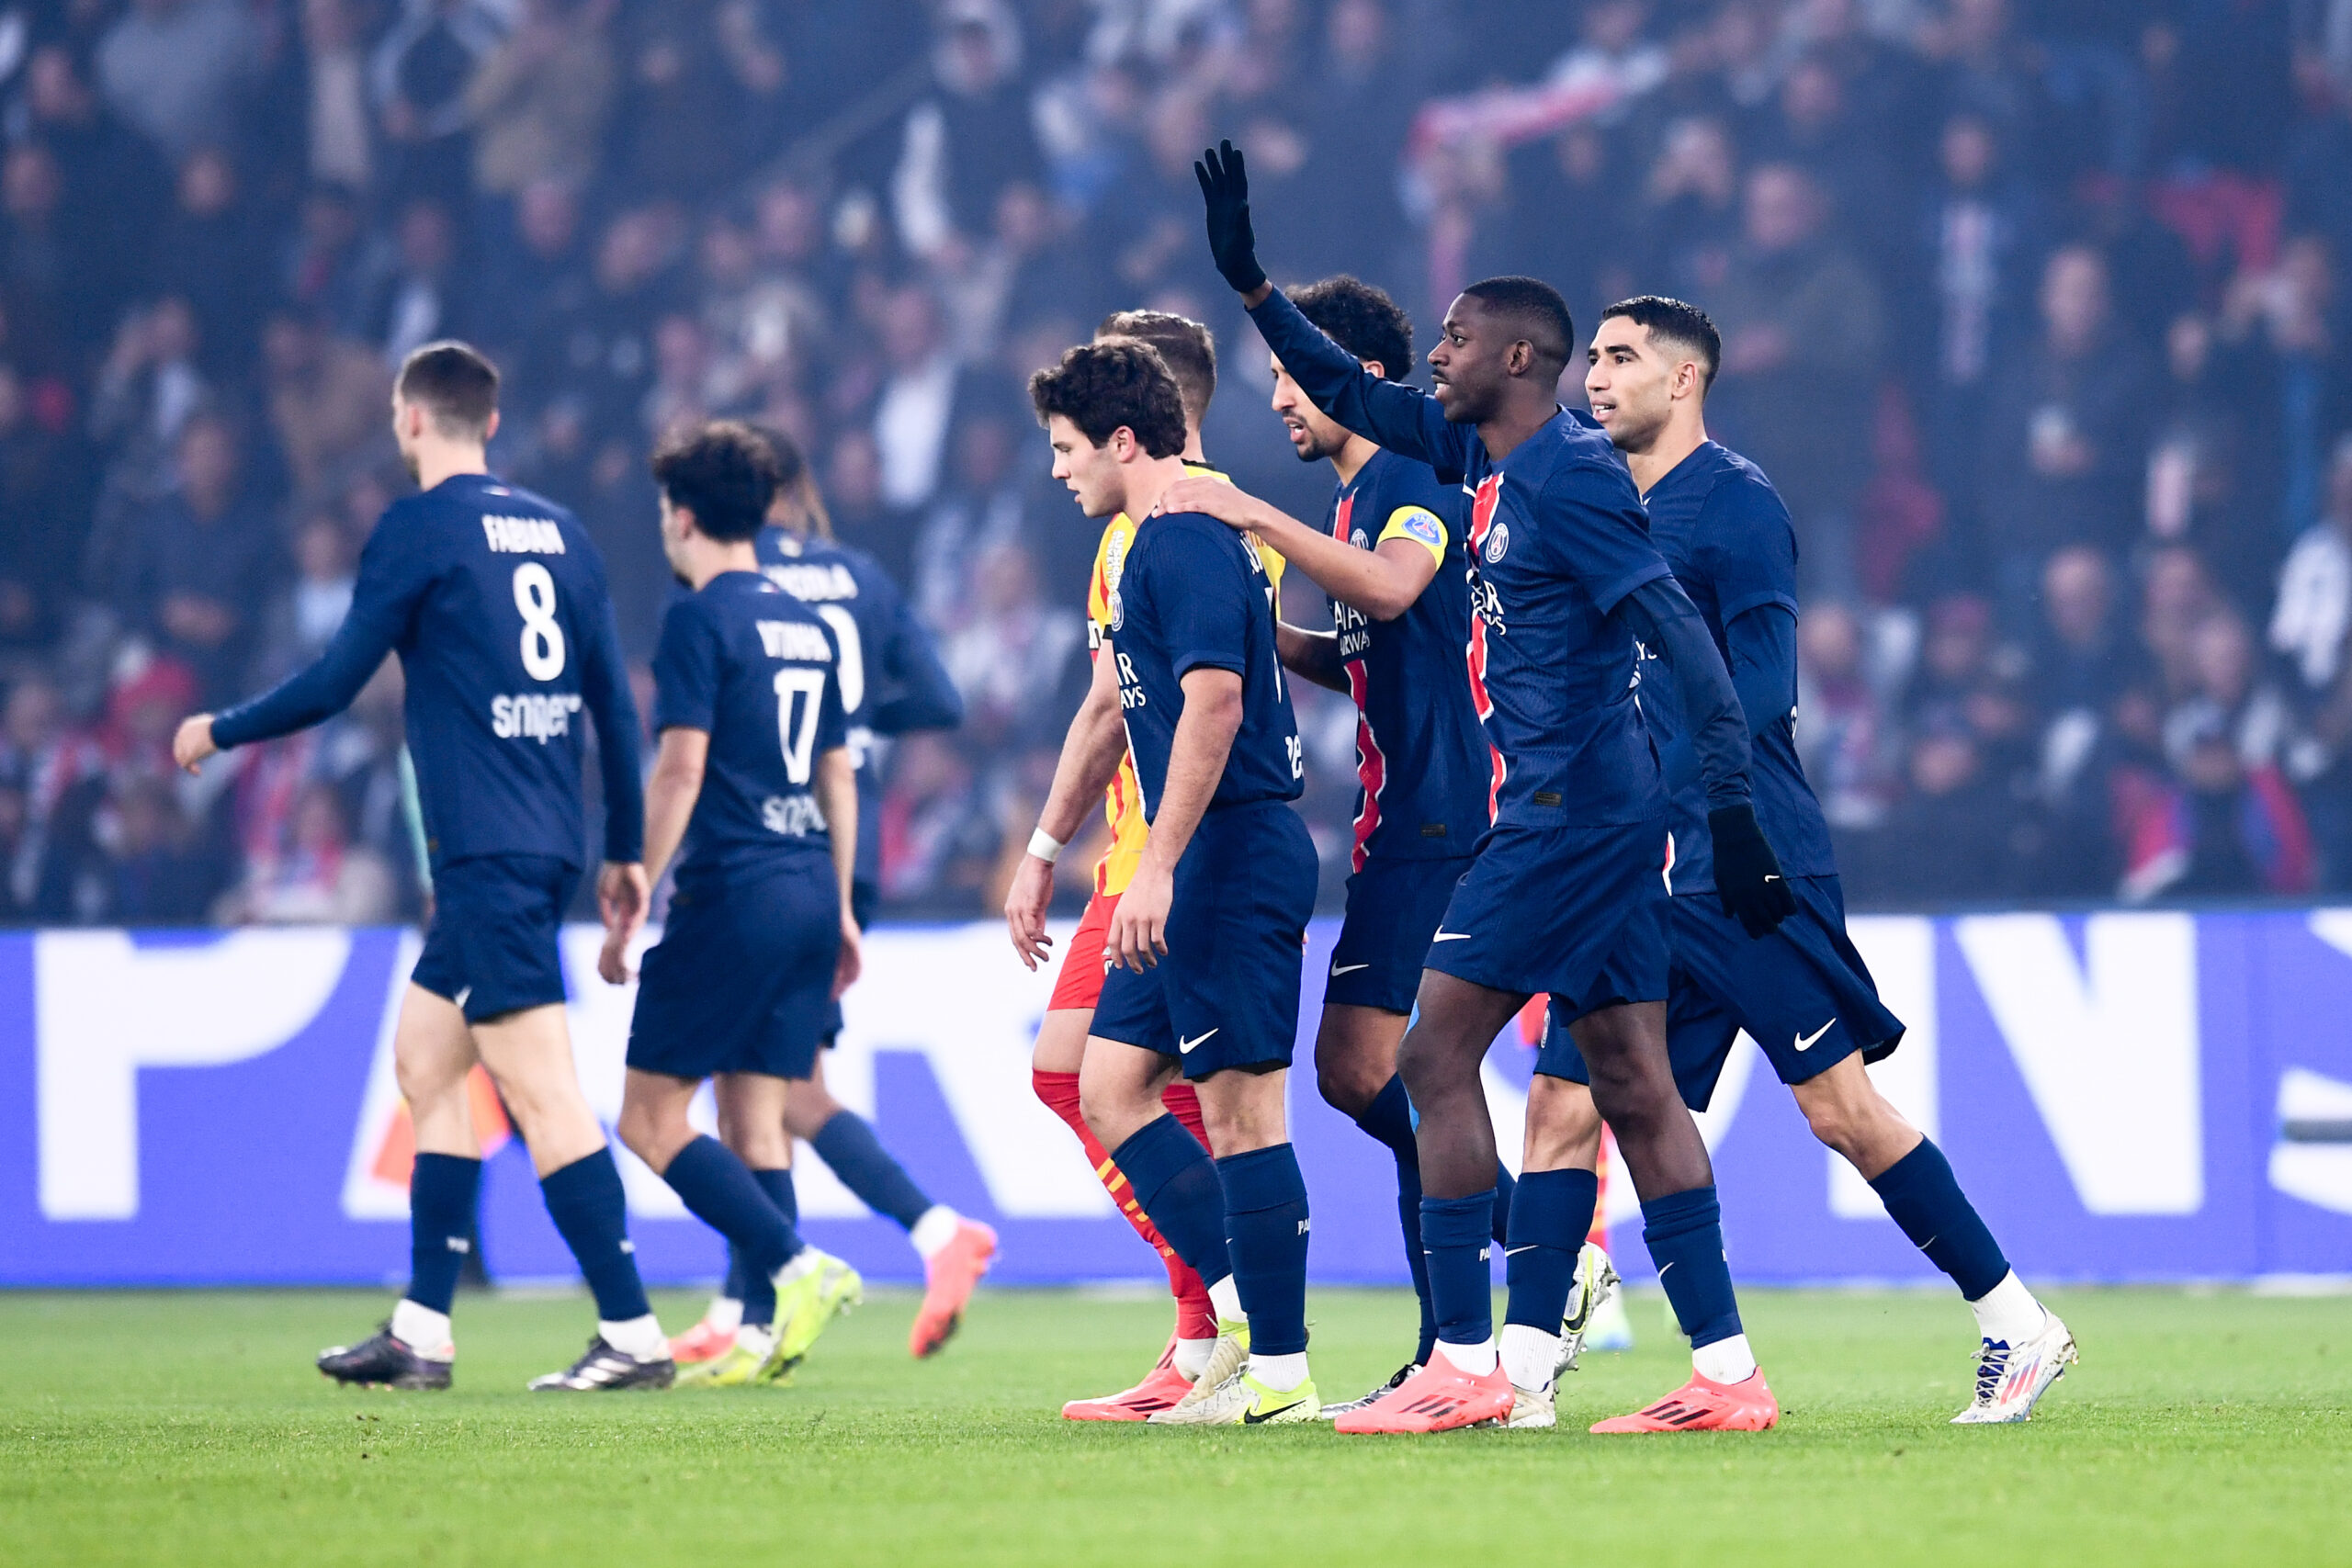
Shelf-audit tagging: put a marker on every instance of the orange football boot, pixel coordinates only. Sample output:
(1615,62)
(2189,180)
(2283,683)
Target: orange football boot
(701,1343)
(1159,1389)
(949,1279)
(1438,1398)
(1703,1404)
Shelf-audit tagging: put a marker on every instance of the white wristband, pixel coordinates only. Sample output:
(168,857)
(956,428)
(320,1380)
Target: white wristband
(1045,846)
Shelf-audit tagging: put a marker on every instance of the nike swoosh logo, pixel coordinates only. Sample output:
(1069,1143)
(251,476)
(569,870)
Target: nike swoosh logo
(1250,1418)
(1184,1047)
(1515,1251)
(1804,1042)
(1339,969)
(1450,936)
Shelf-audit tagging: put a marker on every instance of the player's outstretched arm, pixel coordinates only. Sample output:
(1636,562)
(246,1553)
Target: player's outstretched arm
(836,782)
(1748,873)
(1381,583)
(1396,416)
(670,800)
(1090,753)
(1203,738)
(1312,656)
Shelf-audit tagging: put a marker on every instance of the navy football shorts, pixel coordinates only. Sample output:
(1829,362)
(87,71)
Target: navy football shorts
(492,948)
(1577,912)
(1225,992)
(1802,992)
(863,897)
(1394,907)
(742,979)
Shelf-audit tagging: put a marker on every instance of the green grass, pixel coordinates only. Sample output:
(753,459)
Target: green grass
(166,1429)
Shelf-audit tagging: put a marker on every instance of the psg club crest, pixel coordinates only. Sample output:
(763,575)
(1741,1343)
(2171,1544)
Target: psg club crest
(1497,541)
(1118,611)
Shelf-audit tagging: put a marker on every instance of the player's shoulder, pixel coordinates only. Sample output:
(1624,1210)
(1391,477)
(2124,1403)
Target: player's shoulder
(1739,493)
(1394,480)
(1571,451)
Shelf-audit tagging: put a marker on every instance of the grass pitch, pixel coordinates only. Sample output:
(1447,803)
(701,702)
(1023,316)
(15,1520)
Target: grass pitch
(167,1428)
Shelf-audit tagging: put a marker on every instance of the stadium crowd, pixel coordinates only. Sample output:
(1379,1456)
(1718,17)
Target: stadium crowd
(2032,309)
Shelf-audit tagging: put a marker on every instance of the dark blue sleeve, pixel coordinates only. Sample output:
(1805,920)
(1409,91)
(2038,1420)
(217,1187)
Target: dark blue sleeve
(914,692)
(1400,418)
(391,579)
(685,670)
(832,723)
(1750,547)
(1662,616)
(1764,663)
(1605,543)
(1205,622)
(603,687)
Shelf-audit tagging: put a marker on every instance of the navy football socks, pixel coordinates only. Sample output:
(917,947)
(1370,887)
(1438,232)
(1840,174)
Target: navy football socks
(753,1289)
(1549,1217)
(585,1200)
(723,1194)
(1924,1197)
(847,1145)
(1499,1223)
(1175,1182)
(1684,1232)
(1454,1233)
(440,1225)
(1265,1227)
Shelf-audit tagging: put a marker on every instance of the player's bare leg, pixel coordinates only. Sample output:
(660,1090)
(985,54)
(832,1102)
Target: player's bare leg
(433,1052)
(956,1251)
(528,1055)
(1462,1383)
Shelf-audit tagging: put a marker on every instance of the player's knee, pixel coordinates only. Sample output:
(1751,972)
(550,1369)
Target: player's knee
(425,1082)
(1563,1126)
(1111,1110)
(1345,1087)
(641,1132)
(808,1108)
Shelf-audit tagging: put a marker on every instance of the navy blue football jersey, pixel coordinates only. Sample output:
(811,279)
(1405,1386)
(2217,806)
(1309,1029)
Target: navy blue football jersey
(753,667)
(1557,540)
(1194,593)
(495,600)
(891,678)
(1723,529)
(1420,759)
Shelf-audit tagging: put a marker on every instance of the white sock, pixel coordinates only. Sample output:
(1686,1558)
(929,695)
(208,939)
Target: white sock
(724,1315)
(1225,1296)
(424,1331)
(802,1261)
(759,1338)
(1477,1359)
(639,1338)
(934,1230)
(1192,1357)
(2006,1312)
(1530,1355)
(1725,1361)
(1281,1373)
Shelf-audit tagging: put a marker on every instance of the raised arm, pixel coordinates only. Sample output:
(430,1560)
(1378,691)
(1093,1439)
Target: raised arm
(1398,417)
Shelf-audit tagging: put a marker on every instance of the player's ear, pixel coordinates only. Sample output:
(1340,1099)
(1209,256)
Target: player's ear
(489,429)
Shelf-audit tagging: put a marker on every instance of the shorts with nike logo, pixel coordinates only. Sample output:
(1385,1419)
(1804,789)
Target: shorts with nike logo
(1225,992)
(1802,992)
(1577,912)
(1394,907)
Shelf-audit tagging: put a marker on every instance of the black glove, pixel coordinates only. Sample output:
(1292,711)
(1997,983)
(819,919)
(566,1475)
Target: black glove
(1225,186)
(1748,873)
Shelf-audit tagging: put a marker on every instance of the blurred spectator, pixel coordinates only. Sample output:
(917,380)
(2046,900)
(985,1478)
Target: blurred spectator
(324,876)
(414,299)
(214,253)
(2066,432)
(305,617)
(179,70)
(419,73)
(918,400)
(328,402)
(968,137)
(197,559)
(2309,630)
(539,101)
(45,485)
(1802,329)
(113,186)
(1010,647)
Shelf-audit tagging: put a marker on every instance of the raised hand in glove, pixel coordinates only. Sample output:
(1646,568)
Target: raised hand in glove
(1748,873)
(1225,186)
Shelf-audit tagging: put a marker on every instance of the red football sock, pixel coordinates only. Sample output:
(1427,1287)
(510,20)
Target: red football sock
(1196,1318)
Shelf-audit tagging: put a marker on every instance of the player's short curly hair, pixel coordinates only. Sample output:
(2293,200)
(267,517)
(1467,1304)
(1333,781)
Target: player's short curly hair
(725,473)
(1535,309)
(1362,319)
(1677,322)
(1188,346)
(1099,387)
